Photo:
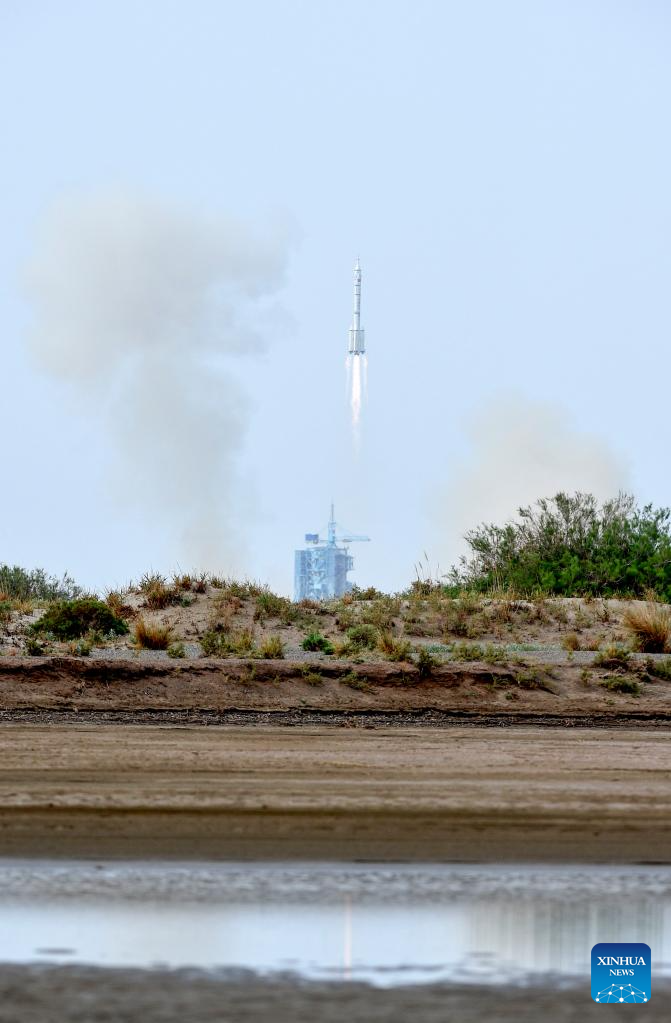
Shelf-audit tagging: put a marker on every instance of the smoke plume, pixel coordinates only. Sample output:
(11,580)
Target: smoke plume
(140,306)
(519,450)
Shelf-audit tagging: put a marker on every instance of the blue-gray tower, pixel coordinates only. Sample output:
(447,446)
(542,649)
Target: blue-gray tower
(320,569)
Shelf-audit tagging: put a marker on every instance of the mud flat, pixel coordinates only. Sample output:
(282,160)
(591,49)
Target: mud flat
(79,994)
(441,794)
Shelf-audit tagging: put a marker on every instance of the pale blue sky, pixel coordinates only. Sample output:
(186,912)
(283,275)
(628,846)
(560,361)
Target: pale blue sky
(501,168)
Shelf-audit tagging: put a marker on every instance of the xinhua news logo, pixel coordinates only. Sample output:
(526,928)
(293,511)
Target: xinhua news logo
(621,972)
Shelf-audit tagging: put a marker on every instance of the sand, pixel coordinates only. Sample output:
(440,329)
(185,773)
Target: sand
(514,794)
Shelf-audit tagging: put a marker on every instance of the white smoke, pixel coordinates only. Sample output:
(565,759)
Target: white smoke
(520,450)
(140,305)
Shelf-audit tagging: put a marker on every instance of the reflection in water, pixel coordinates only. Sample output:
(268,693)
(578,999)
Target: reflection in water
(388,924)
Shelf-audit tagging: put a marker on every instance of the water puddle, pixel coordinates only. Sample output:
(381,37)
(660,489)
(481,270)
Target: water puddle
(386,924)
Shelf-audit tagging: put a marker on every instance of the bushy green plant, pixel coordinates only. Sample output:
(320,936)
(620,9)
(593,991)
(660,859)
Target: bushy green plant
(570,545)
(34,647)
(612,657)
(176,650)
(214,643)
(270,605)
(393,648)
(36,584)
(314,641)
(426,663)
(362,637)
(71,619)
(622,684)
(659,669)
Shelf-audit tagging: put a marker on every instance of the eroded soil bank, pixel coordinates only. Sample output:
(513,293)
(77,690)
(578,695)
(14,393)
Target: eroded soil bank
(207,689)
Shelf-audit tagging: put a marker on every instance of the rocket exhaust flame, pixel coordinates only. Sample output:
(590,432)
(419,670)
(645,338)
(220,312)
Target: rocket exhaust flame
(355,391)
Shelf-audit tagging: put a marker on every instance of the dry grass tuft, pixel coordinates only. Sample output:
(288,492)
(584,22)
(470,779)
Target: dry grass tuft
(272,647)
(571,642)
(650,627)
(150,636)
(118,605)
(394,649)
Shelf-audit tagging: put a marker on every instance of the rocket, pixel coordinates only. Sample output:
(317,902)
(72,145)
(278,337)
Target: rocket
(357,344)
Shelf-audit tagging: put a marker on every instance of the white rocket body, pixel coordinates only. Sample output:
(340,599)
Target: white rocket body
(357,343)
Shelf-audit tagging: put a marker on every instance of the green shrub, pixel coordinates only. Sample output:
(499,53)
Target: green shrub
(71,619)
(394,649)
(316,642)
(570,545)
(622,684)
(659,669)
(35,648)
(467,652)
(269,605)
(81,647)
(354,681)
(17,582)
(612,657)
(426,663)
(214,643)
(362,637)
(176,650)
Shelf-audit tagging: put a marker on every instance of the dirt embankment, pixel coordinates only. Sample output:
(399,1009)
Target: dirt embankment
(209,688)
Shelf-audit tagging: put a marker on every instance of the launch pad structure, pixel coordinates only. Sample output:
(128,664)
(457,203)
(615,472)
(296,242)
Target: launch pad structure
(320,569)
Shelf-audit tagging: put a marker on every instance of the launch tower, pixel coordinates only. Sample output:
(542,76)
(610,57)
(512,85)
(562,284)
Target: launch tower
(320,569)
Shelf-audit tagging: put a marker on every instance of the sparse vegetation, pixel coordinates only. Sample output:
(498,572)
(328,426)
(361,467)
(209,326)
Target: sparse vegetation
(571,642)
(311,677)
(394,649)
(426,663)
(354,681)
(362,637)
(35,648)
(467,652)
(118,606)
(613,657)
(219,642)
(650,627)
(80,648)
(151,635)
(177,650)
(272,647)
(659,669)
(157,594)
(623,684)
(314,641)
(72,619)
(214,643)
